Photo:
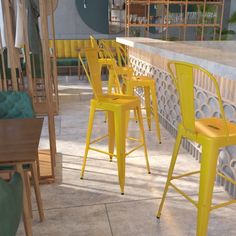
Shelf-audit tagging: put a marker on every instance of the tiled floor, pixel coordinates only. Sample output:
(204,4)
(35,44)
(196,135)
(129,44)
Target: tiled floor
(94,206)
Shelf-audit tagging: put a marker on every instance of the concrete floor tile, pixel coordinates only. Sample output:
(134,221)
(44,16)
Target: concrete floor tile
(178,219)
(82,221)
(76,207)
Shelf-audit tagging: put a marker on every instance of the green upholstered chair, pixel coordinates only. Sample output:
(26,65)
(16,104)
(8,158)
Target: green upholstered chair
(11,201)
(15,105)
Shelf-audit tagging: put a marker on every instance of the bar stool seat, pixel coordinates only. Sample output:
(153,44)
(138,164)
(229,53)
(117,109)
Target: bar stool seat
(215,128)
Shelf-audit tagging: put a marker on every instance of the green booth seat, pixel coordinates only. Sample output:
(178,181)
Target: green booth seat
(67,62)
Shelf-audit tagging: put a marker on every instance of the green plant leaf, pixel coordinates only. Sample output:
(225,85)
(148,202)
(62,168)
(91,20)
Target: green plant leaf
(232,19)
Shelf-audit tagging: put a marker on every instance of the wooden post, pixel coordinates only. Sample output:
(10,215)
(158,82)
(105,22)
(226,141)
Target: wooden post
(10,43)
(221,19)
(148,18)
(4,79)
(203,20)
(167,18)
(27,54)
(215,23)
(48,82)
(54,55)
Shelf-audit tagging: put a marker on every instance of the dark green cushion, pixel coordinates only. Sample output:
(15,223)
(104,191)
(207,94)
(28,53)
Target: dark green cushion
(11,202)
(67,62)
(15,105)
(9,167)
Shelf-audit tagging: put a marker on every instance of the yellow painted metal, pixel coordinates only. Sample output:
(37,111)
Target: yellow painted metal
(101,151)
(211,133)
(134,149)
(121,53)
(183,193)
(133,139)
(117,106)
(149,86)
(93,42)
(226,178)
(99,139)
(186,174)
(132,82)
(223,204)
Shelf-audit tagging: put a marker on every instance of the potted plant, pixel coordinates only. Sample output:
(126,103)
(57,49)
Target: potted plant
(228,34)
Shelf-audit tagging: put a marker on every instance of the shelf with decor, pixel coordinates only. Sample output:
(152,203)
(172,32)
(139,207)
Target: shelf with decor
(174,20)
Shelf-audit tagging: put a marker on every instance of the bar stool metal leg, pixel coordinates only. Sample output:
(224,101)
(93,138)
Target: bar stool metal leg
(111,133)
(89,133)
(148,106)
(140,122)
(207,178)
(120,147)
(170,173)
(155,110)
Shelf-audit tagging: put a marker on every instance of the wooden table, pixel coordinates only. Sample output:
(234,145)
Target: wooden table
(19,140)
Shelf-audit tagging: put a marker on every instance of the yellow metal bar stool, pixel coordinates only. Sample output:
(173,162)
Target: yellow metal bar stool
(149,87)
(212,133)
(131,82)
(117,106)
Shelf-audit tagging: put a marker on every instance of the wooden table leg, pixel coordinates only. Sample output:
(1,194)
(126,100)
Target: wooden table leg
(26,211)
(28,191)
(37,190)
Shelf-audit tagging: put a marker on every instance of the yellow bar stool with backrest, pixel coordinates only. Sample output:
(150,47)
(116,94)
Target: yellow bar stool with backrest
(93,42)
(132,82)
(117,106)
(212,133)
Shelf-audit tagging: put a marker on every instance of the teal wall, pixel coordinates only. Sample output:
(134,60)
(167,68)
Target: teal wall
(70,24)
(94,13)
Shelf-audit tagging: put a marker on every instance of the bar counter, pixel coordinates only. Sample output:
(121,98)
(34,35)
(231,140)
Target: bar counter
(150,57)
(219,57)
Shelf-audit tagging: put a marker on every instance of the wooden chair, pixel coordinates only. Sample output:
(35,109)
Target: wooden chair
(17,105)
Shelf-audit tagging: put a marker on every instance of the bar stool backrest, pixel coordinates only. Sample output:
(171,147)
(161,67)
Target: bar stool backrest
(94,69)
(182,74)
(107,52)
(93,72)
(122,55)
(93,42)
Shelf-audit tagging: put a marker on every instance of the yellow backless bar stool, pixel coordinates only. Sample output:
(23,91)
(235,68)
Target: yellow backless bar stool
(117,106)
(212,133)
(131,82)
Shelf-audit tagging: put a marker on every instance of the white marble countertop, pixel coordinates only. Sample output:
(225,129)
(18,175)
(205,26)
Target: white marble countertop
(219,57)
